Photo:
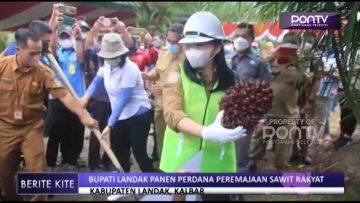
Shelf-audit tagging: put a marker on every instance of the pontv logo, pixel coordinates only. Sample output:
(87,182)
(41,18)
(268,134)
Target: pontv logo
(284,131)
(310,20)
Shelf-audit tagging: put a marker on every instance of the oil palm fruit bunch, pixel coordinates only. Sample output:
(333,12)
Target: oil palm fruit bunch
(245,103)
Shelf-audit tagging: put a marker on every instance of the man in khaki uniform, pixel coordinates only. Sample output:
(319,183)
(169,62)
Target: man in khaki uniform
(170,58)
(285,112)
(24,83)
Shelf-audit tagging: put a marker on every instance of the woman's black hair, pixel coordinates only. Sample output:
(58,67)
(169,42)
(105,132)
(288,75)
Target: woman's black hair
(123,60)
(225,76)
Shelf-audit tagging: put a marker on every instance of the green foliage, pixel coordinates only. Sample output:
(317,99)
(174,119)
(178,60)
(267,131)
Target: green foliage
(5,38)
(346,44)
(156,16)
(225,11)
(347,58)
(270,11)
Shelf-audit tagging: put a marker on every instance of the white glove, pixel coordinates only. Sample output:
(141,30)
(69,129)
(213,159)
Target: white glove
(215,131)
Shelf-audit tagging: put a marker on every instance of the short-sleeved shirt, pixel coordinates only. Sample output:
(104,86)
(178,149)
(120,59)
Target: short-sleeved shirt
(72,69)
(129,76)
(141,58)
(285,92)
(164,68)
(24,92)
(154,55)
(250,66)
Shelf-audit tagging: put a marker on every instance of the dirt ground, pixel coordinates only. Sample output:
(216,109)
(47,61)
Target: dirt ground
(325,159)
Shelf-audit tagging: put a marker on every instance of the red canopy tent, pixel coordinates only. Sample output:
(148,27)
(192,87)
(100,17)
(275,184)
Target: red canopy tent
(14,15)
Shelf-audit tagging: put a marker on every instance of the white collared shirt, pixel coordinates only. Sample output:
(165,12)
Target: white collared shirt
(129,76)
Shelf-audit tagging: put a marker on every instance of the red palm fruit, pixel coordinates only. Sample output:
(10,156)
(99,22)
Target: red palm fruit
(245,103)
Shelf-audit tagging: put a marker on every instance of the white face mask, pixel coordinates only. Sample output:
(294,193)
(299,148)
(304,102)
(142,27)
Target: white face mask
(241,44)
(198,58)
(113,62)
(157,44)
(307,47)
(83,35)
(66,43)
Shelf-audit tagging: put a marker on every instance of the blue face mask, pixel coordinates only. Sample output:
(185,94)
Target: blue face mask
(172,49)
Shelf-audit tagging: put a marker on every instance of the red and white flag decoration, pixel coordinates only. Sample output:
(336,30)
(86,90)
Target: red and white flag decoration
(270,30)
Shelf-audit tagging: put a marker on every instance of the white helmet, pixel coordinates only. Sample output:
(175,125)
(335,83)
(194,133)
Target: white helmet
(201,27)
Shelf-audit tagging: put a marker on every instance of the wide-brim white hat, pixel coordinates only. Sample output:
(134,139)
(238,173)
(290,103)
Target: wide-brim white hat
(112,46)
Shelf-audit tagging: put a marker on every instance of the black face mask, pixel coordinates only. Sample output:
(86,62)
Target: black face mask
(45,46)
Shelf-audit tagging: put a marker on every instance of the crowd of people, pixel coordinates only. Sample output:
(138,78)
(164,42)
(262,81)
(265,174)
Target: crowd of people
(127,82)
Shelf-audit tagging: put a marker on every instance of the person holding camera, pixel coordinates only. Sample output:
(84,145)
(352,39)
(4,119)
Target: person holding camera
(63,126)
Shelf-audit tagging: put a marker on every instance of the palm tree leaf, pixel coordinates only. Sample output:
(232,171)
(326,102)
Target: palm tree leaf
(351,35)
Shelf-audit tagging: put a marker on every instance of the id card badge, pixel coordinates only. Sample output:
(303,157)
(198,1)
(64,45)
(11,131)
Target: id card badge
(72,69)
(18,114)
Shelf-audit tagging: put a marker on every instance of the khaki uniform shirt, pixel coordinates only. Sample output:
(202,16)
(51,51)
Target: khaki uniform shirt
(165,67)
(285,92)
(22,93)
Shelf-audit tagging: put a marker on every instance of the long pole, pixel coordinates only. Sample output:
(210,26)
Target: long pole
(97,133)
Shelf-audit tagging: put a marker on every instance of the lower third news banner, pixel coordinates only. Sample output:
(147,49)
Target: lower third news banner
(180,183)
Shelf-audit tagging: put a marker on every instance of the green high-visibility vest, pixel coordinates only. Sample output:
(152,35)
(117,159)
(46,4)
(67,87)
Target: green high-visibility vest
(178,148)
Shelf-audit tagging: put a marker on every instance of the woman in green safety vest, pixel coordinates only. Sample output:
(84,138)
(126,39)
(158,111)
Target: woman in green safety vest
(191,96)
